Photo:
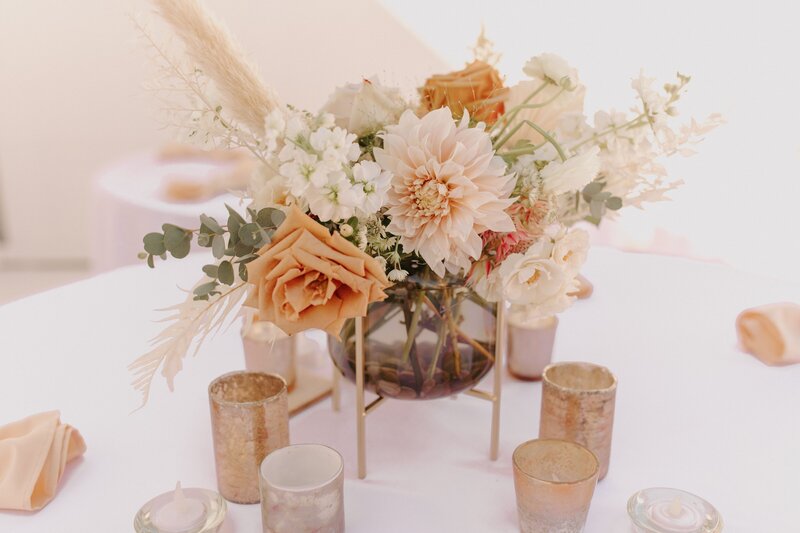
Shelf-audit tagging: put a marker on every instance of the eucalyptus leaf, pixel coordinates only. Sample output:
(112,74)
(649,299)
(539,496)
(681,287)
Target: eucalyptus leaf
(205,288)
(150,262)
(218,246)
(592,220)
(614,203)
(202,297)
(211,224)
(591,189)
(234,214)
(154,243)
(250,234)
(175,237)
(182,249)
(210,271)
(243,271)
(597,208)
(226,272)
(204,240)
(247,258)
(269,217)
(241,249)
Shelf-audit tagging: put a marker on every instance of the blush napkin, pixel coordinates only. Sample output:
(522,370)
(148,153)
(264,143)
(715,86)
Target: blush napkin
(33,454)
(771,333)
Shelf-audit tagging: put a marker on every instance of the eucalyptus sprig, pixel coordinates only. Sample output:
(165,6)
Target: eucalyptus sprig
(233,245)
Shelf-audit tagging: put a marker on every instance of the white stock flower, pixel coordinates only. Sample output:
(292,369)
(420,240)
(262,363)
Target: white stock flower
(365,107)
(552,68)
(336,200)
(375,182)
(335,145)
(302,170)
(267,189)
(447,188)
(574,174)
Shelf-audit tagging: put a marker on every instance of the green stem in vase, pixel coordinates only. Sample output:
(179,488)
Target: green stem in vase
(463,336)
(448,318)
(412,325)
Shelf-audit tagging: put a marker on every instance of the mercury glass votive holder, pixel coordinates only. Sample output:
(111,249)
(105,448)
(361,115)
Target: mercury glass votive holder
(249,419)
(302,490)
(530,346)
(554,482)
(268,349)
(578,405)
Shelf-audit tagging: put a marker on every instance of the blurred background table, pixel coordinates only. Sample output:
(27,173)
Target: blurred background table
(692,411)
(129,202)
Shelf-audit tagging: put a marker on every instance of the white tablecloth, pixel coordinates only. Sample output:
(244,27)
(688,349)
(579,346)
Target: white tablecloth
(128,202)
(692,411)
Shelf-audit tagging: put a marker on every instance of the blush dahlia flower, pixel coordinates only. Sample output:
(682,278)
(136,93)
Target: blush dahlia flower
(447,188)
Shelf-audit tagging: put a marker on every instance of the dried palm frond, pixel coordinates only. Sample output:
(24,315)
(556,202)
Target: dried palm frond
(192,321)
(245,98)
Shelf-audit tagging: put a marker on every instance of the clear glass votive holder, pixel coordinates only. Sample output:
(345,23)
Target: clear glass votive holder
(530,346)
(302,490)
(554,482)
(665,510)
(578,405)
(268,349)
(249,419)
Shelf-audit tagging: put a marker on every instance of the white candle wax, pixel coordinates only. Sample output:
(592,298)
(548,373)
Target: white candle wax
(180,515)
(663,510)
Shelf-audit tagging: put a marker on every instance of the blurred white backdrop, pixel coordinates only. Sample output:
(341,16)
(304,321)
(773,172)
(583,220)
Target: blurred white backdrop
(71,79)
(740,201)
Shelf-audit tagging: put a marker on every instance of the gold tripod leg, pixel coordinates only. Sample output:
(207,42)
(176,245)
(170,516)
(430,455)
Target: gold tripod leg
(498,380)
(336,391)
(361,414)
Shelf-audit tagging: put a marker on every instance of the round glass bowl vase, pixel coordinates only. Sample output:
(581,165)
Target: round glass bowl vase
(430,338)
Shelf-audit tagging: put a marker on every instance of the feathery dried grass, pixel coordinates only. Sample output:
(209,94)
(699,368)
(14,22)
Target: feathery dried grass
(244,96)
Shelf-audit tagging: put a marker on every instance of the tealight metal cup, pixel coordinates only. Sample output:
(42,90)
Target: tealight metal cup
(554,482)
(578,405)
(249,419)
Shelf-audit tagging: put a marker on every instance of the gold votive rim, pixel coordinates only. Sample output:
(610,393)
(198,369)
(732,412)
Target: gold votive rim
(569,444)
(272,396)
(554,367)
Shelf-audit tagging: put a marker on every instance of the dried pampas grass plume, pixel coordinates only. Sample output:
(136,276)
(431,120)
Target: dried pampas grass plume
(245,98)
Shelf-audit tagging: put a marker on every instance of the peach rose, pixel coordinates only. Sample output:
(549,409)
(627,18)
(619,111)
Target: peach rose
(307,278)
(478,88)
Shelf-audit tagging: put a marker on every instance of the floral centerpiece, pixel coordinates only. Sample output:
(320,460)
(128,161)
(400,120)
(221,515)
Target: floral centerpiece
(419,214)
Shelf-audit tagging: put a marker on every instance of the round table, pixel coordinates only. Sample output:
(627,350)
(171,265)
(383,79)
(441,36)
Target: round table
(693,412)
(129,202)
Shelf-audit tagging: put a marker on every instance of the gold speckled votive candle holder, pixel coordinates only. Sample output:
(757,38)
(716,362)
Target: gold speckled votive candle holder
(578,406)
(249,419)
(554,482)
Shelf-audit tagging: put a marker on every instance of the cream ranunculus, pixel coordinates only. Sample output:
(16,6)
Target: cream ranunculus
(560,177)
(571,249)
(365,107)
(553,68)
(548,117)
(537,282)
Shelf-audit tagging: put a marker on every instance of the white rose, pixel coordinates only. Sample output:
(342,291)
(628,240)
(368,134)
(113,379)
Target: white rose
(574,174)
(552,68)
(267,189)
(571,249)
(365,107)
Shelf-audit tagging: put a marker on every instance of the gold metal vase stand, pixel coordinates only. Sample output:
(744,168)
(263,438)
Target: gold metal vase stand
(363,409)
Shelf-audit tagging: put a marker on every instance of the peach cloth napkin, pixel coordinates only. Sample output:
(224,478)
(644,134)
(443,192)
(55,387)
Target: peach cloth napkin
(771,333)
(33,454)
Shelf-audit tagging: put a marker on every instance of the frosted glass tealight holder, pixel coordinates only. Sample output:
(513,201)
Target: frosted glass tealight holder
(302,490)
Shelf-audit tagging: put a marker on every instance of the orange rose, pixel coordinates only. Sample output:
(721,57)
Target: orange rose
(307,278)
(477,88)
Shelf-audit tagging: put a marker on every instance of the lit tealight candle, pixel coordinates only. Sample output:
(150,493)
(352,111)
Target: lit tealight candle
(662,510)
(180,515)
